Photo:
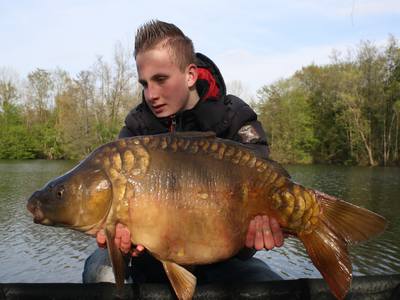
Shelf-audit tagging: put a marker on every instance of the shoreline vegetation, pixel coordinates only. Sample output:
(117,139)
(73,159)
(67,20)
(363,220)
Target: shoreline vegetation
(346,112)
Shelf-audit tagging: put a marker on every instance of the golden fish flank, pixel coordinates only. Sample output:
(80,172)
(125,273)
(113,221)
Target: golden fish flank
(288,204)
(174,145)
(153,143)
(203,196)
(194,147)
(163,144)
(236,157)
(121,143)
(128,161)
(298,210)
(214,147)
(279,182)
(142,160)
(229,152)
(221,151)
(308,199)
(205,145)
(116,162)
(146,140)
(245,192)
(266,178)
(181,252)
(262,166)
(306,218)
(244,159)
(252,162)
(276,201)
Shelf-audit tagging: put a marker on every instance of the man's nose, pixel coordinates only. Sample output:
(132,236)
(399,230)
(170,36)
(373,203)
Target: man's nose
(152,93)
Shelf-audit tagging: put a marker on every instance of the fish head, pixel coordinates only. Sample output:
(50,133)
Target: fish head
(79,199)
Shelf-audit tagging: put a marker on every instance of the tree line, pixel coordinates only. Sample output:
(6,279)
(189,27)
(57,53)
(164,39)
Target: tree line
(345,112)
(52,115)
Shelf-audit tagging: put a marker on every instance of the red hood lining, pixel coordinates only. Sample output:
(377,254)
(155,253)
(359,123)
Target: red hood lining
(213,89)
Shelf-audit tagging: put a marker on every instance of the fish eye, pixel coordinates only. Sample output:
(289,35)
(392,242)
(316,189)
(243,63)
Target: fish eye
(60,191)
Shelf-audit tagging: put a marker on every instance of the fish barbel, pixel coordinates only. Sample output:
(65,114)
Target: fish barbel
(188,198)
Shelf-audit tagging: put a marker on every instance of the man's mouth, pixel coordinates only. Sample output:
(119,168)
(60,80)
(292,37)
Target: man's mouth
(158,108)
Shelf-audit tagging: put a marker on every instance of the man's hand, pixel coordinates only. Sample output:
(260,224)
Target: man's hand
(122,240)
(264,232)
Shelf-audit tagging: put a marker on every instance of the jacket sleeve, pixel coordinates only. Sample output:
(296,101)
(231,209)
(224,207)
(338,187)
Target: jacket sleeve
(132,124)
(245,128)
(125,132)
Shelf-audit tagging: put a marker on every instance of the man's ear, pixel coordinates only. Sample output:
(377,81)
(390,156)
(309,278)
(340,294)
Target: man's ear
(192,74)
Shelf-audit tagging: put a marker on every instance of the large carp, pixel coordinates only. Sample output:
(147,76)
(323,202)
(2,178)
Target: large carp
(189,198)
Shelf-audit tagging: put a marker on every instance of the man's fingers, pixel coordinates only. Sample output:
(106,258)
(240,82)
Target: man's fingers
(138,250)
(259,240)
(125,244)
(276,232)
(118,230)
(118,234)
(251,234)
(101,239)
(269,242)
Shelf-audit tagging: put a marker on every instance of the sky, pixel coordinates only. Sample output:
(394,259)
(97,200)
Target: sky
(254,42)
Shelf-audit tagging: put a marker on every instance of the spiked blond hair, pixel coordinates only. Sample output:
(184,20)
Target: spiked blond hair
(158,33)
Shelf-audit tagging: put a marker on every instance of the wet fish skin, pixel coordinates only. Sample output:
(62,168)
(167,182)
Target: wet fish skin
(188,198)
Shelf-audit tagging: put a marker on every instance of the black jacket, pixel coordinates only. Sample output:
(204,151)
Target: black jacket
(226,115)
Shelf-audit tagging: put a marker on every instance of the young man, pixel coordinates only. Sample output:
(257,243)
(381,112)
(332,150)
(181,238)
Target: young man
(184,91)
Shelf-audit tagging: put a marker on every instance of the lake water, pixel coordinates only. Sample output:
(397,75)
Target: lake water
(36,253)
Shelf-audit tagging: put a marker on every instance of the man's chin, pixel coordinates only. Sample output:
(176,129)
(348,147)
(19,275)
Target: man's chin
(162,115)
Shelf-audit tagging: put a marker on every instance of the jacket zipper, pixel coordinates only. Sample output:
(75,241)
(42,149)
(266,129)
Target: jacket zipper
(172,126)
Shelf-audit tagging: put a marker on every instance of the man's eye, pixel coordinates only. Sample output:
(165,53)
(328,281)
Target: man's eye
(161,79)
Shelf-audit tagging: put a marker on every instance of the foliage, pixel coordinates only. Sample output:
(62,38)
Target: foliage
(346,112)
(55,116)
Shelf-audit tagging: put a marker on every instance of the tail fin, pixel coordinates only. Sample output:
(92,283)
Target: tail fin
(340,223)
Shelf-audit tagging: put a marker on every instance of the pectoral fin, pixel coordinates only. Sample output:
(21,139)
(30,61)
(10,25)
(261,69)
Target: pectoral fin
(117,259)
(183,282)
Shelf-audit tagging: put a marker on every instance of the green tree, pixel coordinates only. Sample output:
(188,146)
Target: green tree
(286,115)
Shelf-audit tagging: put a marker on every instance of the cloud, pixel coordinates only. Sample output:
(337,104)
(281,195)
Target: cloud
(345,8)
(368,8)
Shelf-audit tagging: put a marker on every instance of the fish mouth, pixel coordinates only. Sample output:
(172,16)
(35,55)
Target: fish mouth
(44,221)
(38,216)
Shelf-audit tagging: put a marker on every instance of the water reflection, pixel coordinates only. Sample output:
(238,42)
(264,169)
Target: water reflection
(35,253)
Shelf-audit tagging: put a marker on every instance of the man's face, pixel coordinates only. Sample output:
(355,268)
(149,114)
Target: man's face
(166,87)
